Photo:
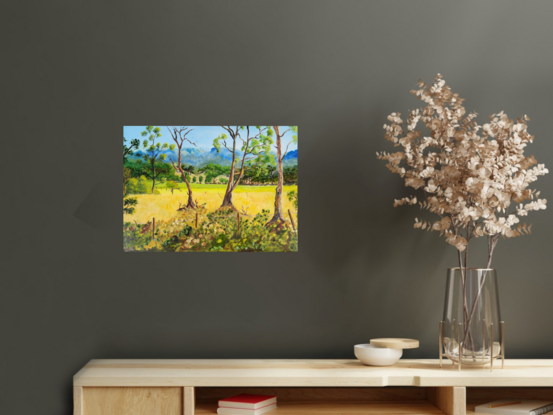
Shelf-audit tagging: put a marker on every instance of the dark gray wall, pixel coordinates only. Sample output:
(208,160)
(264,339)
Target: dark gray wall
(75,72)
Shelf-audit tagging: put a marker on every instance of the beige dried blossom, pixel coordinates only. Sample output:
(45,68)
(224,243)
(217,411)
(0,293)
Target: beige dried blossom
(475,178)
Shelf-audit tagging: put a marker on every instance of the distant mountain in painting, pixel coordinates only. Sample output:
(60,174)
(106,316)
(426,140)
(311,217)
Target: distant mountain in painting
(199,157)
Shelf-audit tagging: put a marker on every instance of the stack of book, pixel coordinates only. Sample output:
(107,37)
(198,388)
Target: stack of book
(515,407)
(247,404)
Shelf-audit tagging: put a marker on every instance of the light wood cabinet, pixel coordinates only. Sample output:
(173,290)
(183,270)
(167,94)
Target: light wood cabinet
(132,401)
(323,387)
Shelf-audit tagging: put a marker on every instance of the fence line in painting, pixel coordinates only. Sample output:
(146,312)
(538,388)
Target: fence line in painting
(237,220)
(292,220)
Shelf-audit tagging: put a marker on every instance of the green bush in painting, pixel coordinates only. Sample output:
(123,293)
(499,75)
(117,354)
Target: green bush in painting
(135,235)
(216,231)
(293,197)
(137,186)
(129,205)
(213,170)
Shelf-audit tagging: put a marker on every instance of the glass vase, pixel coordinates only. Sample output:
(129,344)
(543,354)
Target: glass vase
(471,332)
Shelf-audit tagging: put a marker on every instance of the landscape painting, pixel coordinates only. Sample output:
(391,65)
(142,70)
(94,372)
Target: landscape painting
(210,189)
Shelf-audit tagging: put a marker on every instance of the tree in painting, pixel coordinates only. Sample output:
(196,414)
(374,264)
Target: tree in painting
(278,216)
(129,203)
(210,189)
(179,136)
(154,154)
(172,186)
(254,145)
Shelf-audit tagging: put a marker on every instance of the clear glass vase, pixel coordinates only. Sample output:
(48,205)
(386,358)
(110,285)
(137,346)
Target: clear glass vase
(471,331)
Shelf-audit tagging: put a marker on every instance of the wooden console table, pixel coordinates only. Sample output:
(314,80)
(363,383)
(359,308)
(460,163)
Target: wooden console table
(321,387)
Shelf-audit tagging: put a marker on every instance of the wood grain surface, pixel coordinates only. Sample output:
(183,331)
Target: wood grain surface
(132,401)
(189,400)
(450,400)
(77,400)
(302,373)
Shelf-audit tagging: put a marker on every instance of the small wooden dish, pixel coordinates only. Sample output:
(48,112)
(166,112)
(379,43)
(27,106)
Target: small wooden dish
(395,343)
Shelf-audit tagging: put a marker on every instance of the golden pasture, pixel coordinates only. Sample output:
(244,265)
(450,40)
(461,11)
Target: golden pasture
(249,200)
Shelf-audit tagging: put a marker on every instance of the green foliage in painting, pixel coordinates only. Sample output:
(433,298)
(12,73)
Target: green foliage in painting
(137,186)
(293,197)
(218,142)
(213,170)
(129,204)
(128,150)
(171,185)
(290,174)
(154,153)
(140,168)
(135,235)
(294,129)
(220,231)
(267,174)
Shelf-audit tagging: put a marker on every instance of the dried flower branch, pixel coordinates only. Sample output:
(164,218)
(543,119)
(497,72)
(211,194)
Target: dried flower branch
(475,178)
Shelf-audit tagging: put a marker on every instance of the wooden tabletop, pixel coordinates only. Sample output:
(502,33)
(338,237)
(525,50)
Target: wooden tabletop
(305,373)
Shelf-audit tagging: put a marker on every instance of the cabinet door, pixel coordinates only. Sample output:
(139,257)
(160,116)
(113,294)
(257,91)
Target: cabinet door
(132,401)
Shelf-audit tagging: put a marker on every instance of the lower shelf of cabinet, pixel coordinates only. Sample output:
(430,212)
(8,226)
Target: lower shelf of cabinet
(299,400)
(336,408)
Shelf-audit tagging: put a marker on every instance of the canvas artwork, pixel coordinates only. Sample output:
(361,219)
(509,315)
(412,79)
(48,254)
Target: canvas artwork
(210,188)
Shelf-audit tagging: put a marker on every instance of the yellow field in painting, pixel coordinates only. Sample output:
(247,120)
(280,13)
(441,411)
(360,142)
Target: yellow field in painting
(248,200)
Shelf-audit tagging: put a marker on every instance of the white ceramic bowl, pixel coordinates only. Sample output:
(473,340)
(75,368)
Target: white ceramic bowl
(376,356)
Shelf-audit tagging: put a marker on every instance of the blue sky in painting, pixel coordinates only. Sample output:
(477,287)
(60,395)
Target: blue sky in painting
(201,135)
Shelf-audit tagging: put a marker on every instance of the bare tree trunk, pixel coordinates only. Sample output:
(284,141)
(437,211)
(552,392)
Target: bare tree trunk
(227,200)
(190,204)
(278,216)
(153,178)
(232,184)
